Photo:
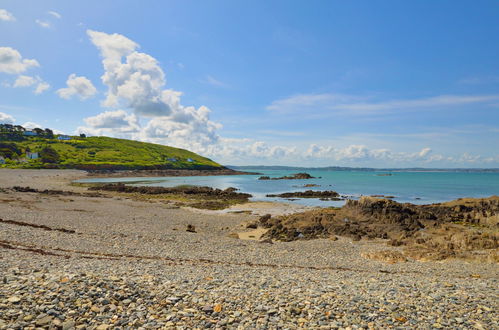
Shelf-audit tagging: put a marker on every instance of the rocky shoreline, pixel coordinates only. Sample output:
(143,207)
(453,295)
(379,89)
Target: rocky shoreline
(115,261)
(165,172)
(467,228)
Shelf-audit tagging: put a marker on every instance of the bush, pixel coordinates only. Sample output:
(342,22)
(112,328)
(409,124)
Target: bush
(49,155)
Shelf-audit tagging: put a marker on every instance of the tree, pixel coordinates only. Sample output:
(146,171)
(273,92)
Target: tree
(39,131)
(49,134)
(49,155)
(83,135)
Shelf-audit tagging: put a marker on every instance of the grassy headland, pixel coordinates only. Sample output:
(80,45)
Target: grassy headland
(46,150)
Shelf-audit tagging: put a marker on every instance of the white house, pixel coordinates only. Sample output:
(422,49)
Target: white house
(190,160)
(32,155)
(2,160)
(64,137)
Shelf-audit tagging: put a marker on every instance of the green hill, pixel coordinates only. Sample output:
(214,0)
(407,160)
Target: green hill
(92,153)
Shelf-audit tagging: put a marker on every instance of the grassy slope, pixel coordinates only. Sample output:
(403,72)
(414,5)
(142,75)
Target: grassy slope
(106,152)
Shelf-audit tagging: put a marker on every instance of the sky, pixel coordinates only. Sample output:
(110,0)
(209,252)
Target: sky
(302,83)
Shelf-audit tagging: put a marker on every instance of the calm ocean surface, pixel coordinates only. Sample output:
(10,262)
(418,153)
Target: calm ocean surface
(412,187)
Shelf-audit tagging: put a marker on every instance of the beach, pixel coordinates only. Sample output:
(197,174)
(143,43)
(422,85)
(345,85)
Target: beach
(76,260)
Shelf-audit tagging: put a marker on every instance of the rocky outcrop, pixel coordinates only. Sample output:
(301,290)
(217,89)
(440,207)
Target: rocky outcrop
(308,194)
(186,190)
(296,176)
(432,231)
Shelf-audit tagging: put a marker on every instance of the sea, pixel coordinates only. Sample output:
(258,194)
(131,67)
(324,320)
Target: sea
(417,187)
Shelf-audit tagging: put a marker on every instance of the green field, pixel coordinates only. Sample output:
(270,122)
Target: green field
(99,153)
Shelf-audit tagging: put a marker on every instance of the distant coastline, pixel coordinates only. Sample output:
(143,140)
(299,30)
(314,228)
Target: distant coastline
(362,169)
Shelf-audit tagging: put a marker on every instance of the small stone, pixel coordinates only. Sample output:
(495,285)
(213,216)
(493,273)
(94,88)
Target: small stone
(28,318)
(208,309)
(14,299)
(44,321)
(217,308)
(68,325)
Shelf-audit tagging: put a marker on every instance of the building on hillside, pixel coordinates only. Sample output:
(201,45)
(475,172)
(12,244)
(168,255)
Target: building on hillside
(190,160)
(172,159)
(2,160)
(30,133)
(64,137)
(32,155)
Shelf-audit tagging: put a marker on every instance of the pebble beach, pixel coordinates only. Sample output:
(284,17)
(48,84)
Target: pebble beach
(106,262)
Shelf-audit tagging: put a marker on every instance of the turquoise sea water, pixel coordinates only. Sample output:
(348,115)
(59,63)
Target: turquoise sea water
(412,187)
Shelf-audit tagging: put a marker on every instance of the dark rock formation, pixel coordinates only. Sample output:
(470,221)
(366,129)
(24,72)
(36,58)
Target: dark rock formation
(434,231)
(308,194)
(186,190)
(296,176)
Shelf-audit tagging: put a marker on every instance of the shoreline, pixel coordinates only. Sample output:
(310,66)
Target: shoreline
(113,261)
(166,173)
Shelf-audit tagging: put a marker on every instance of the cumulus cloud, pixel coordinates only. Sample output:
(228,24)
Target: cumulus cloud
(31,125)
(11,61)
(41,87)
(77,86)
(116,123)
(136,81)
(6,16)
(24,81)
(6,119)
(28,81)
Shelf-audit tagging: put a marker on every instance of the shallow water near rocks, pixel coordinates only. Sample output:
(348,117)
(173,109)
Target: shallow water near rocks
(411,187)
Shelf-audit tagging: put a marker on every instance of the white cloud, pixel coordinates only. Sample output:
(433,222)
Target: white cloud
(80,86)
(24,81)
(6,119)
(55,14)
(112,46)
(424,152)
(12,62)
(31,125)
(43,24)
(136,81)
(28,81)
(41,87)
(6,16)
(350,104)
(115,123)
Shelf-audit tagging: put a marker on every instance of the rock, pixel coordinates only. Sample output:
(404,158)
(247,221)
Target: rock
(44,321)
(67,325)
(102,327)
(217,308)
(190,228)
(14,299)
(296,176)
(208,309)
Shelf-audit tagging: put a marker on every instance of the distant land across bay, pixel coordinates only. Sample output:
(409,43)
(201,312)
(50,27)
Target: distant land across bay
(363,169)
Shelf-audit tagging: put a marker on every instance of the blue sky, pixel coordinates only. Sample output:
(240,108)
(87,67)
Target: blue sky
(355,83)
